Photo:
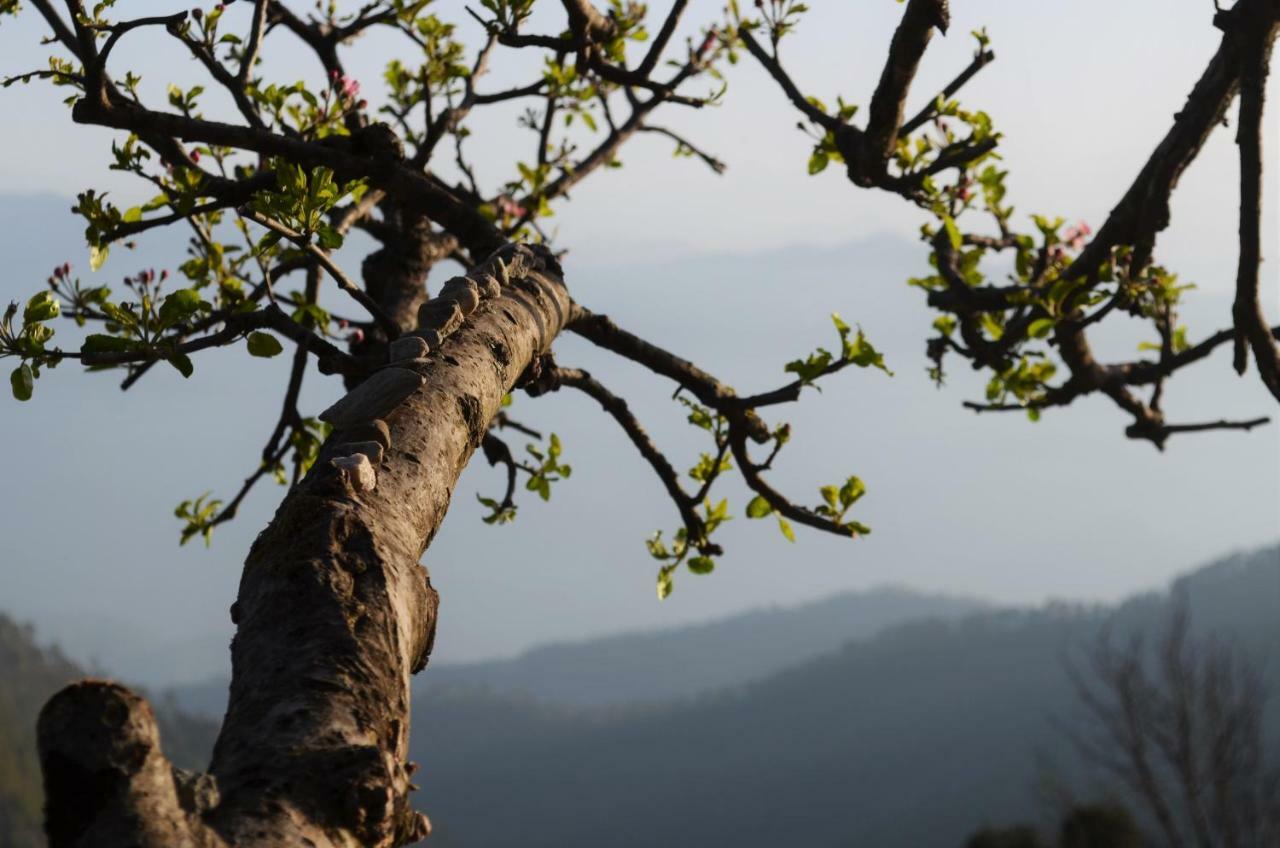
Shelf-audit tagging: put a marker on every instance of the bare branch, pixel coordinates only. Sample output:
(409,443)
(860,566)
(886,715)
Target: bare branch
(601,331)
(682,143)
(980,60)
(617,407)
(813,113)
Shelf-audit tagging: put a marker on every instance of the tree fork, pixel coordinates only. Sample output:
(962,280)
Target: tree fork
(334,615)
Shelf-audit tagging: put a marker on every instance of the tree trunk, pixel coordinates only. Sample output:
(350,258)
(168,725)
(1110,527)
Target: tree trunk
(334,615)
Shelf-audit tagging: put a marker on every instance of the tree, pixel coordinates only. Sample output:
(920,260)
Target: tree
(1181,726)
(314,742)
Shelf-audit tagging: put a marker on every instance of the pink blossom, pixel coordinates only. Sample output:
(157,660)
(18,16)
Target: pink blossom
(346,86)
(507,206)
(1075,236)
(356,336)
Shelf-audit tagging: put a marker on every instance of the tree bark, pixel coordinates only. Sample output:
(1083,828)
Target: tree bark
(334,615)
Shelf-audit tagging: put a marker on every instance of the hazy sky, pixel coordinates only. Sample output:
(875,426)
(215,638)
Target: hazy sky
(738,271)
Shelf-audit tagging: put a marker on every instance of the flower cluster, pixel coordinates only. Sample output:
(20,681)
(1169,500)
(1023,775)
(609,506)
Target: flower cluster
(347,87)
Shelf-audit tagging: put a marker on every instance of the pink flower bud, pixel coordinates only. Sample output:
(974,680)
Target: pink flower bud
(356,336)
(709,40)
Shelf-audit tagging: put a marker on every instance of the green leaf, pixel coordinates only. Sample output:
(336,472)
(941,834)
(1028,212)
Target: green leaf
(665,583)
(818,162)
(41,307)
(830,494)
(702,565)
(264,345)
(857,528)
(785,527)
(759,507)
(863,354)
(851,491)
(22,382)
(328,237)
(179,306)
(953,232)
(183,363)
(1040,328)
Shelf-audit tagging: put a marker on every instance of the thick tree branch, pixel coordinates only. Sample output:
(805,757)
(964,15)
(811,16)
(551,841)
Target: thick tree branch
(1250,320)
(889,100)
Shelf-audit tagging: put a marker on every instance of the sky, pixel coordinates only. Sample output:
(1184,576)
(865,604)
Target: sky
(738,272)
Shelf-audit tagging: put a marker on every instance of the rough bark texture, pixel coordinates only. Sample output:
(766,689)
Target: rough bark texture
(395,274)
(334,615)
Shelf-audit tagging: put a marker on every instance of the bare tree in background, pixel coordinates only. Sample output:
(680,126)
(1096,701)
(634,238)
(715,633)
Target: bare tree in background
(1181,724)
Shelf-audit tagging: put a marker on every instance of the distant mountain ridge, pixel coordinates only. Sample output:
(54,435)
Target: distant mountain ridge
(659,666)
(663,665)
(915,737)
